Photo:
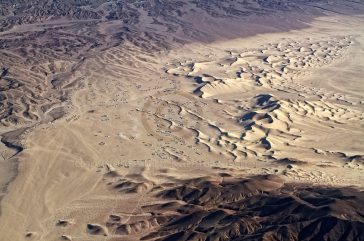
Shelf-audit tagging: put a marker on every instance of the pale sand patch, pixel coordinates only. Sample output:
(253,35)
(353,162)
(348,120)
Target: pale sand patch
(262,116)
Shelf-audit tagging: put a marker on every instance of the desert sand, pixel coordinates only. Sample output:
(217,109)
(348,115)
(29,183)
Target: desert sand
(253,136)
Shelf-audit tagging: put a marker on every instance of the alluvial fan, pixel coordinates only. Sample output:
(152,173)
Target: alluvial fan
(181,120)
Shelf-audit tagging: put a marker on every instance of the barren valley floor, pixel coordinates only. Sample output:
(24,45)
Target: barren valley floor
(254,137)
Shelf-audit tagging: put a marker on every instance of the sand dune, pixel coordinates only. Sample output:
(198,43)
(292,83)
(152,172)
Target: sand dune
(271,125)
(181,120)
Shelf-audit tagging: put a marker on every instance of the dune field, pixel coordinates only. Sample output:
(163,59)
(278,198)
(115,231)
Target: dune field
(182,120)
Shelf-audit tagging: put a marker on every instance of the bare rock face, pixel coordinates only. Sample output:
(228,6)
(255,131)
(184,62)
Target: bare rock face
(259,208)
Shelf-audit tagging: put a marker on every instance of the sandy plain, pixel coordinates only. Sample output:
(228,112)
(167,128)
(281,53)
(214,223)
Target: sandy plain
(287,105)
